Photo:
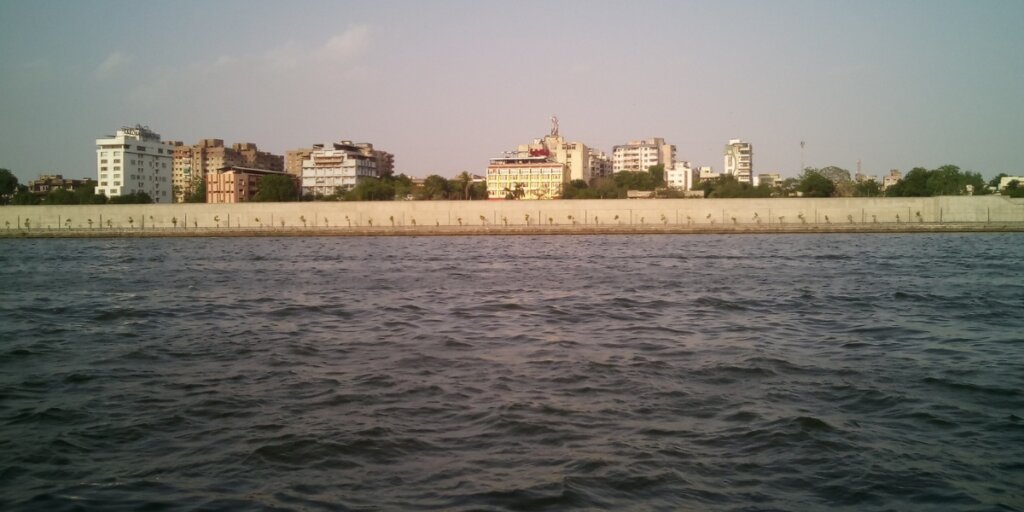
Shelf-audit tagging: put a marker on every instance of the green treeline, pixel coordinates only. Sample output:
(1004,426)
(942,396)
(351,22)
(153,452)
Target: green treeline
(14,193)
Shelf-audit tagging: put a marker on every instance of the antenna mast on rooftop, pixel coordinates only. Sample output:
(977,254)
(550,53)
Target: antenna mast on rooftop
(554,126)
(801,157)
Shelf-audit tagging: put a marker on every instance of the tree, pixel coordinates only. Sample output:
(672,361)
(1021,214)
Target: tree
(435,187)
(403,186)
(60,196)
(276,188)
(840,178)
(944,181)
(814,184)
(461,183)
(914,184)
(658,173)
(25,198)
(86,194)
(867,188)
(198,192)
(133,198)
(478,191)
(728,186)
(633,180)
(577,189)
(8,185)
(372,189)
(994,182)
(1014,189)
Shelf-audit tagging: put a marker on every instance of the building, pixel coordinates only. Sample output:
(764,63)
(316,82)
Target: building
(640,155)
(193,163)
(534,177)
(576,156)
(341,166)
(893,178)
(681,176)
(769,179)
(293,160)
(134,160)
(707,174)
(739,160)
(47,183)
(600,164)
(385,161)
(236,184)
(1006,180)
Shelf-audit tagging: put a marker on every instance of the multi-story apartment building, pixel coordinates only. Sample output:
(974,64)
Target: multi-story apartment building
(193,163)
(295,158)
(739,160)
(707,174)
(47,183)
(600,164)
(536,176)
(134,160)
(342,165)
(893,178)
(236,184)
(681,176)
(770,179)
(576,156)
(639,155)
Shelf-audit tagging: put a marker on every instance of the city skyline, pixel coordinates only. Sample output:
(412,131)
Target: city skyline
(445,86)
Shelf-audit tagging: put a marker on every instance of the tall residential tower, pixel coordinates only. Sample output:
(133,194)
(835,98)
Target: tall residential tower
(739,160)
(134,160)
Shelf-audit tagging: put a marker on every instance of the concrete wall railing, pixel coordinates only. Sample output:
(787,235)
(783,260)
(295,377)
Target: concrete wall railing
(619,212)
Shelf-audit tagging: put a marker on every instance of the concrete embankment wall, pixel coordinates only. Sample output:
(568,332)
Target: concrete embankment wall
(713,214)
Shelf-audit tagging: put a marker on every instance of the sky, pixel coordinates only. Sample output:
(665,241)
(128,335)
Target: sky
(446,85)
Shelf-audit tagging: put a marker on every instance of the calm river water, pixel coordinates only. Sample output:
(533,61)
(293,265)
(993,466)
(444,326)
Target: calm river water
(812,372)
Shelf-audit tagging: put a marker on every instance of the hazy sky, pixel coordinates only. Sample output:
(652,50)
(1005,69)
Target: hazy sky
(447,85)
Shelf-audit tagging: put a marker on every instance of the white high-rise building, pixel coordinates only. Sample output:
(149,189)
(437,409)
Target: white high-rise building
(739,160)
(134,160)
(639,155)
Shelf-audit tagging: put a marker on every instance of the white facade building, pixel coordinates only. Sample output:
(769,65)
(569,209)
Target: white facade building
(639,155)
(739,160)
(1005,181)
(680,176)
(343,165)
(134,160)
(535,176)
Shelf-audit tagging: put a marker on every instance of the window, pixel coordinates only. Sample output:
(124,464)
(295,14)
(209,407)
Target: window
(117,167)
(117,160)
(103,183)
(103,161)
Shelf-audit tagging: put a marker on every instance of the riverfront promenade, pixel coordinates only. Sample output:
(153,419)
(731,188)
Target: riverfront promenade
(620,216)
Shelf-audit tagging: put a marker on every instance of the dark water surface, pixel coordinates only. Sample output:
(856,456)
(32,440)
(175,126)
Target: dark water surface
(824,372)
